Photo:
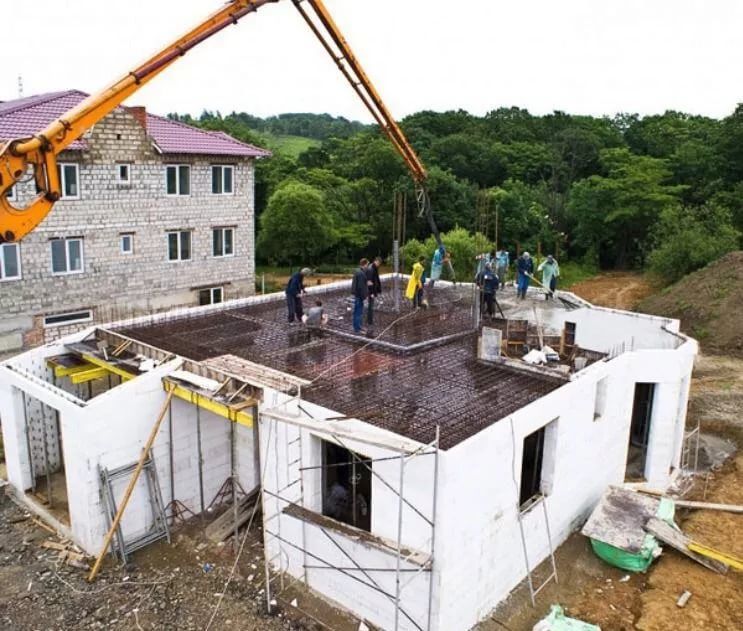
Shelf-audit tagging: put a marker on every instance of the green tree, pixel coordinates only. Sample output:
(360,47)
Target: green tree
(688,238)
(296,227)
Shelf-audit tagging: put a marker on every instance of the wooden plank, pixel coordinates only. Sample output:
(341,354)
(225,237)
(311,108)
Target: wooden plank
(728,508)
(224,525)
(679,541)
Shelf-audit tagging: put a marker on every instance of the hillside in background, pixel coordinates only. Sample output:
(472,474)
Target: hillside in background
(708,302)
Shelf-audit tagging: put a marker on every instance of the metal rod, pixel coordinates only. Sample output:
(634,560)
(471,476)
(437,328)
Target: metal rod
(28,442)
(399,544)
(233,478)
(368,569)
(433,525)
(201,472)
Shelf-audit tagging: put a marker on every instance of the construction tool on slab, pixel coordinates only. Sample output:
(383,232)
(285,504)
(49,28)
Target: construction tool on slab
(728,508)
(679,541)
(568,304)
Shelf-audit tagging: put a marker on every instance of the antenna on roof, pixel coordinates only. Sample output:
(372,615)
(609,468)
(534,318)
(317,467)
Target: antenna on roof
(20,87)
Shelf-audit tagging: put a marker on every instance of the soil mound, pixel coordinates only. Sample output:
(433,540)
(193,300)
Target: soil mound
(709,303)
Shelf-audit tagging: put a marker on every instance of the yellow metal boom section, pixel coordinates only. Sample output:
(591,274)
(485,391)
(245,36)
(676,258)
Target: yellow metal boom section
(19,157)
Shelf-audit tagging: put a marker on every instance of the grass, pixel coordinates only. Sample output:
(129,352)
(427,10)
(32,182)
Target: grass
(290,146)
(572,272)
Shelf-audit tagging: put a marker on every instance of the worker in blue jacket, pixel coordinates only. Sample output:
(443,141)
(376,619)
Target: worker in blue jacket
(360,291)
(488,282)
(525,268)
(294,293)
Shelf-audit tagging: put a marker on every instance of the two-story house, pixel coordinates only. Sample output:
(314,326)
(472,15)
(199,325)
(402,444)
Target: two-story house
(154,214)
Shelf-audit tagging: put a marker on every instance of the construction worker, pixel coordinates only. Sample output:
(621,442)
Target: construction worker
(374,285)
(550,273)
(488,283)
(502,263)
(525,267)
(294,292)
(440,256)
(483,259)
(414,290)
(316,315)
(360,291)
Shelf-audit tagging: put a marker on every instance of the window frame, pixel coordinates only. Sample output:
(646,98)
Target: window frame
(212,290)
(178,168)
(223,168)
(51,325)
(361,474)
(3,277)
(180,258)
(67,241)
(223,230)
(63,180)
(130,236)
(128,180)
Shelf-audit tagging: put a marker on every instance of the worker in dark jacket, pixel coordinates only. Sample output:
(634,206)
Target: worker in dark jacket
(294,293)
(488,282)
(360,291)
(525,268)
(374,287)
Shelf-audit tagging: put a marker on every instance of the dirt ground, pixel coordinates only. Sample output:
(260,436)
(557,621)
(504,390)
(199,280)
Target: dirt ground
(620,290)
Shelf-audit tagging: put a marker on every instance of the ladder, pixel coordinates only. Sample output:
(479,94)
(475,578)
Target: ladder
(530,506)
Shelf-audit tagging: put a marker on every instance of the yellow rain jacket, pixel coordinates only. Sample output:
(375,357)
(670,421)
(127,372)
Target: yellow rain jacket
(414,284)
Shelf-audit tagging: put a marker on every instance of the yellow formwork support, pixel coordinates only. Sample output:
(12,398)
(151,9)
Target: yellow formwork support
(115,370)
(67,371)
(722,557)
(205,403)
(90,374)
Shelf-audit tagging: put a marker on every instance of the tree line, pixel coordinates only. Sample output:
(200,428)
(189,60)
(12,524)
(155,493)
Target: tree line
(662,191)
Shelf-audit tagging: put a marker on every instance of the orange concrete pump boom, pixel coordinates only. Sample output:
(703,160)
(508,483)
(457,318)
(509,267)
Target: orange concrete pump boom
(39,153)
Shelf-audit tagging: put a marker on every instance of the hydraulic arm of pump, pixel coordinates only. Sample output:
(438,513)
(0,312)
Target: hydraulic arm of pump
(37,156)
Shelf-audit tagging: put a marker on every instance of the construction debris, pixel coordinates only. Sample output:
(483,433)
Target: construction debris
(558,621)
(683,599)
(226,524)
(676,539)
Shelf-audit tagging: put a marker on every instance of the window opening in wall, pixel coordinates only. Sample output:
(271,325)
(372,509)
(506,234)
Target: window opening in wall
(10,193)
(127,243)
(223,242)
(69,178)
(62,319)
(346,486)
(178,179)
(210,296)
(179,245)
(639,435)
(67,256)
(531,466)
(124,173)
(10,261)
(599,406)
(222,179)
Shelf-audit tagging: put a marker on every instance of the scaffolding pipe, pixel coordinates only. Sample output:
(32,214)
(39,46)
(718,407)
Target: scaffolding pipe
(45,451)
(171,461)
(399,543)
(233,478)
(433,525)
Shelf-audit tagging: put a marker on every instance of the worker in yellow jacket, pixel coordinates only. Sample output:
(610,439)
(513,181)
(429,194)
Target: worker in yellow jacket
(414,291)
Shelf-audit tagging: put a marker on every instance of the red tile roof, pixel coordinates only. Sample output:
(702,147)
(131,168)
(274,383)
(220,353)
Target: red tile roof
(24,117)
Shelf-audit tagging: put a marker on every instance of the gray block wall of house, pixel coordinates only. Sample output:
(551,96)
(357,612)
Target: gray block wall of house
(113,284)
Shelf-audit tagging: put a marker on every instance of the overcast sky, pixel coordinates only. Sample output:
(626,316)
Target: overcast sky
(580,56)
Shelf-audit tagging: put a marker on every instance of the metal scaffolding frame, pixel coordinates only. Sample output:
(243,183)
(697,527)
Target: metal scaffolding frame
(276,503)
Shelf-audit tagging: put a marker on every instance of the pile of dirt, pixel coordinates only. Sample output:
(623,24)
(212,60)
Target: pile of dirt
(708,303)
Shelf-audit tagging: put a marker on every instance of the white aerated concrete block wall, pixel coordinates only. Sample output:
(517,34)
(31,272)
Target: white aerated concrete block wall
(279,448)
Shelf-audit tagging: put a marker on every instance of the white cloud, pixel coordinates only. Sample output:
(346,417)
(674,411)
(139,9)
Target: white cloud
(580,56)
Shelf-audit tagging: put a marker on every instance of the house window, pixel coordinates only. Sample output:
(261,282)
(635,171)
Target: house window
(127,244)
(10,193)
(538,464)
(346,486)
(10,262)
(124,173)
(211,296)
(222,178)
(179,245)
(599,407)
(67,256)
(178,179)
(223,242)
(68,318)
(69,178)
